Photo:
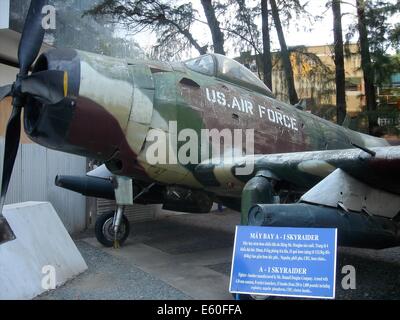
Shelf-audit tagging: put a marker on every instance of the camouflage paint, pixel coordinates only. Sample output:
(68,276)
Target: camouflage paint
(112,104)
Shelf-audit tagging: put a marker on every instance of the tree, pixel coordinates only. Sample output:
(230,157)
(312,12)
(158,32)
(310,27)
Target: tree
(293,98)
(214,25)
(267,57)
(339,62)
(247,36)
(394,36)
(241,27)
(381,36)
(366,64)
(317,81)
(169,21)
(376,36)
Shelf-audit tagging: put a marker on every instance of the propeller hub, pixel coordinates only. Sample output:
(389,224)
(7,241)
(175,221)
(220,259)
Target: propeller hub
(47,123)
(16,93)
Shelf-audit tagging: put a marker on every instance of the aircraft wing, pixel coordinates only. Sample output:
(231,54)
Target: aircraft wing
(356,191)
(374,171)
(305,169)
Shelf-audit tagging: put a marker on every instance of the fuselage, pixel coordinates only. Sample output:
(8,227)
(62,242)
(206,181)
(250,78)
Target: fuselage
(113,105)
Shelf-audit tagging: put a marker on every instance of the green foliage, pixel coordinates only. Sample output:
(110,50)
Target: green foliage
(241,28)
(169,20)
(391,126)
(394,36)
(317,80)
(293,11)
(383,37)
(74,31)
(385,66)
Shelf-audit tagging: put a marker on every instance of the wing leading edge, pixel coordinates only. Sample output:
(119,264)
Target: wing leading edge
(303,170)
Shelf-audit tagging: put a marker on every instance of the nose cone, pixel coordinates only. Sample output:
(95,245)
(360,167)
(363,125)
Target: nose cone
(48,124)
(65,60)
(81,123)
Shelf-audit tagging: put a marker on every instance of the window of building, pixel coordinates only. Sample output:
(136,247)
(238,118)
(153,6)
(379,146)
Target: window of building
(395,79)
(353,84)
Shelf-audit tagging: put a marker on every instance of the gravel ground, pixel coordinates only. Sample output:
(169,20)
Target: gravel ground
(110,278)
(377,274)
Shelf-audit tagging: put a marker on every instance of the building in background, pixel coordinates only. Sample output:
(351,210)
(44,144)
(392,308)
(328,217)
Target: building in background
(314,73)
(389,98)
(389,94)
(36,167)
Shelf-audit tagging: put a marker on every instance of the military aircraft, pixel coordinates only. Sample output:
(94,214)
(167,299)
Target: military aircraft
(307,172)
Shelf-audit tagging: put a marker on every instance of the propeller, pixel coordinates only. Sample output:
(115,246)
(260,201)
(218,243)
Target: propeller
(48,87)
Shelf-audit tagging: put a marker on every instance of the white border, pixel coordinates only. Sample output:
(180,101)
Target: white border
(286,296)
(334,270)
(233,261)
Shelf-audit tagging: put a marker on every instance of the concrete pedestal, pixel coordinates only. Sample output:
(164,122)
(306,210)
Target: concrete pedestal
(42,254)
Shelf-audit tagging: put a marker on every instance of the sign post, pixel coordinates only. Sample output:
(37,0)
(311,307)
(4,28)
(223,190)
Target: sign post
(285,262)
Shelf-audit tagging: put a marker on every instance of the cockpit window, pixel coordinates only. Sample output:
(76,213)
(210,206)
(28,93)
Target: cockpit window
(203,64)
(233,71)
(228,70)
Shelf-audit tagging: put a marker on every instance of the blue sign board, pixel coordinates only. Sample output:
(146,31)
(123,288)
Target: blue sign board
(286,262)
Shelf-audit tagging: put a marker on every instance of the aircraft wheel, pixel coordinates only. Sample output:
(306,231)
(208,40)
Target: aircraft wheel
(104,229)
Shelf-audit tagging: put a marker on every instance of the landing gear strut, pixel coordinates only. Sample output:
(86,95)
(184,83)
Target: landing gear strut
(112,228)
(116,225)
(108,233)
(259,189)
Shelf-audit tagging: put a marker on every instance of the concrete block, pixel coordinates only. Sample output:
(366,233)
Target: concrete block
(41,241)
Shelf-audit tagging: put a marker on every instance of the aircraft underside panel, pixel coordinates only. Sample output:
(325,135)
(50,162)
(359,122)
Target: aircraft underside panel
(339,189)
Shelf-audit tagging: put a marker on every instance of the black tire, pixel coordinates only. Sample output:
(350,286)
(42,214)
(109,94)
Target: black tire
(104,224)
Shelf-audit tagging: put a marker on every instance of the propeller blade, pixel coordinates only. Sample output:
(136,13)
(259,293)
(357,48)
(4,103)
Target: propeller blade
(28,50)
(6,233)
(32,36)
(8,158)
(5,91)
(10,151)
(49,87)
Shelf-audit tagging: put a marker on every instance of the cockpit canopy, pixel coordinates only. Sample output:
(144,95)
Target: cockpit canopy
(229,70)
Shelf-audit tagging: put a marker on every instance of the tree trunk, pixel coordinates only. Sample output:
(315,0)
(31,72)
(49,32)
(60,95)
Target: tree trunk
(285,54)
(216,33)
(339,62)
(188,35)
(366,65)
(267,58)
